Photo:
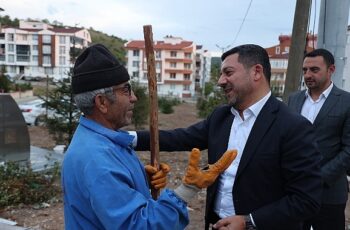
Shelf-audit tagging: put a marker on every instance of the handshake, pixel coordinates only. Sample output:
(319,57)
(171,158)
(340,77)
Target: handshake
(195,178)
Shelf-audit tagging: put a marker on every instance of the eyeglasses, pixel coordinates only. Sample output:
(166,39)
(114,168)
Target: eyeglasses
(125,89)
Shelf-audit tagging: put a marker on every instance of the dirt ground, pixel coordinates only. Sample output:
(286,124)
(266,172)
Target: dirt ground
(50,216)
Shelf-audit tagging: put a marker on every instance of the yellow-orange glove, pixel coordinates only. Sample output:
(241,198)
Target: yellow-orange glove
(196,179)
(156,177)
(204,178)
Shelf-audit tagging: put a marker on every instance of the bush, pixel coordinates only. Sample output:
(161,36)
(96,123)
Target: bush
(166,104)
(19,184)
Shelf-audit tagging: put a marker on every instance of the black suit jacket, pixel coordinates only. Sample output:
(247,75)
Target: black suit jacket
(332,130)
(278,179)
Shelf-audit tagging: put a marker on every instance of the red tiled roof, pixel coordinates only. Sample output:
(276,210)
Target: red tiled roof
(139,44)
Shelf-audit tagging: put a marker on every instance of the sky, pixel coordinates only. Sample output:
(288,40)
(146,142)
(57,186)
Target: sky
(217,25)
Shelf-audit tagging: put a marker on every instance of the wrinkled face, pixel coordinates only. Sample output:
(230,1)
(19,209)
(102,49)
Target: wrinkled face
(317,75)
(120,111)
(235,80)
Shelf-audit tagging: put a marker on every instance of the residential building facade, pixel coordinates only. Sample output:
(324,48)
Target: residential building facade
(279,61)
(203,67)
(175,61)
(37,49)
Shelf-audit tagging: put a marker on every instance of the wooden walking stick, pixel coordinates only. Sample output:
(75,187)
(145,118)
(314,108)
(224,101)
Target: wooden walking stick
(152,89)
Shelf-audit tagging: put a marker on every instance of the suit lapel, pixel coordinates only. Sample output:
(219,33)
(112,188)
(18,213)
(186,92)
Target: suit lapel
(300,101)
(224,134)
(262,124)
(330,102)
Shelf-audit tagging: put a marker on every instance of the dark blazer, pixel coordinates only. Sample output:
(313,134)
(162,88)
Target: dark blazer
(332,130)
(278,179)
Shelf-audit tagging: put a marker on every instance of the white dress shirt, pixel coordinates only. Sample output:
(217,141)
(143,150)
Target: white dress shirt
(311,108)
(239,134)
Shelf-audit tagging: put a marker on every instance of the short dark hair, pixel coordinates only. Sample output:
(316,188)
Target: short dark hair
(327,56)
(249,55)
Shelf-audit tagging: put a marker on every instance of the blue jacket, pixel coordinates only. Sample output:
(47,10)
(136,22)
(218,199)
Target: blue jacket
(105,185)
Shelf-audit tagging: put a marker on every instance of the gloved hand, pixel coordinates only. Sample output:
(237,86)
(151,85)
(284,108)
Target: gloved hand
(204,178)
(156,177)
(196,179)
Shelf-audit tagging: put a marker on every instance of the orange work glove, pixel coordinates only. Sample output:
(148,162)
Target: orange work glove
(196,179)
(157,178)
(204,178)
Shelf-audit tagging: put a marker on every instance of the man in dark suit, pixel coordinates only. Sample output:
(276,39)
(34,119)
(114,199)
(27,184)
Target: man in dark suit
(275,180)
(328,108)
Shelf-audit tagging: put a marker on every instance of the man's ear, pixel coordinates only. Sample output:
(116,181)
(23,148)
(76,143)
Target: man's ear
(101,103)
(331,69)
(258,72)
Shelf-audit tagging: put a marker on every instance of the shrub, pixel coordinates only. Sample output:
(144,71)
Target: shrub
(19,184)
(166,104)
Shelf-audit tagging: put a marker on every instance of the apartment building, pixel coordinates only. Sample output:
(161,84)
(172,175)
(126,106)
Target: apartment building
(203,67)
(279,61)
(175,61)
(37,49)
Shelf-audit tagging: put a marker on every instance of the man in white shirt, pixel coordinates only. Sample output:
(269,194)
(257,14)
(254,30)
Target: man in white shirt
(328,109)
(275,181)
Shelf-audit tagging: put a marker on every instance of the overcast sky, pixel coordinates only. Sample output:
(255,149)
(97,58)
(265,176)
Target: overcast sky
(209,23)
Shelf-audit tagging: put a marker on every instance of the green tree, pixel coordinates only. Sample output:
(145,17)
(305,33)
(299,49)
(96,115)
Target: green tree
(5,83)
(141,108)
(63,114)
(213,95)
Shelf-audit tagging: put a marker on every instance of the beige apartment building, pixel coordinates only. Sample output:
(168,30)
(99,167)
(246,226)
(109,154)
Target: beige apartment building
(37,49)
(175,65)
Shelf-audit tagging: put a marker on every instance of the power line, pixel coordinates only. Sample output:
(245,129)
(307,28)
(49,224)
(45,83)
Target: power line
(240,27)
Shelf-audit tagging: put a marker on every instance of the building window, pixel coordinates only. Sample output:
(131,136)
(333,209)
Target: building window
(62,50)
(10,37)
(187,66)
(11,69)
(173,64)
(35,37)
(46,38)
(136,53)
(46,49)
(11,48)
(135,63)
(172,86)
(158,54)
(173,75)
(35,58)
(47,60)
(278,50)
(145,76)
(173,53)
(159,77)
(11,58)
(62,39)
(158,65)
(135,74)
(188,55)
(187,76)
(62,60)
(186,87)
(35,47)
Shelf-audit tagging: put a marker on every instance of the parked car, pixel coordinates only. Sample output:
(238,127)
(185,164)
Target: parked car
(33,111)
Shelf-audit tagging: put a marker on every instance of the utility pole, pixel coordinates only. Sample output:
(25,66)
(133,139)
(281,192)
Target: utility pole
(332,29)
(296,54)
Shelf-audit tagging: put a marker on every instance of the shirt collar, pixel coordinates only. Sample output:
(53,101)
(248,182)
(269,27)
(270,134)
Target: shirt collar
(255,108)
(119,137)
(325,93)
